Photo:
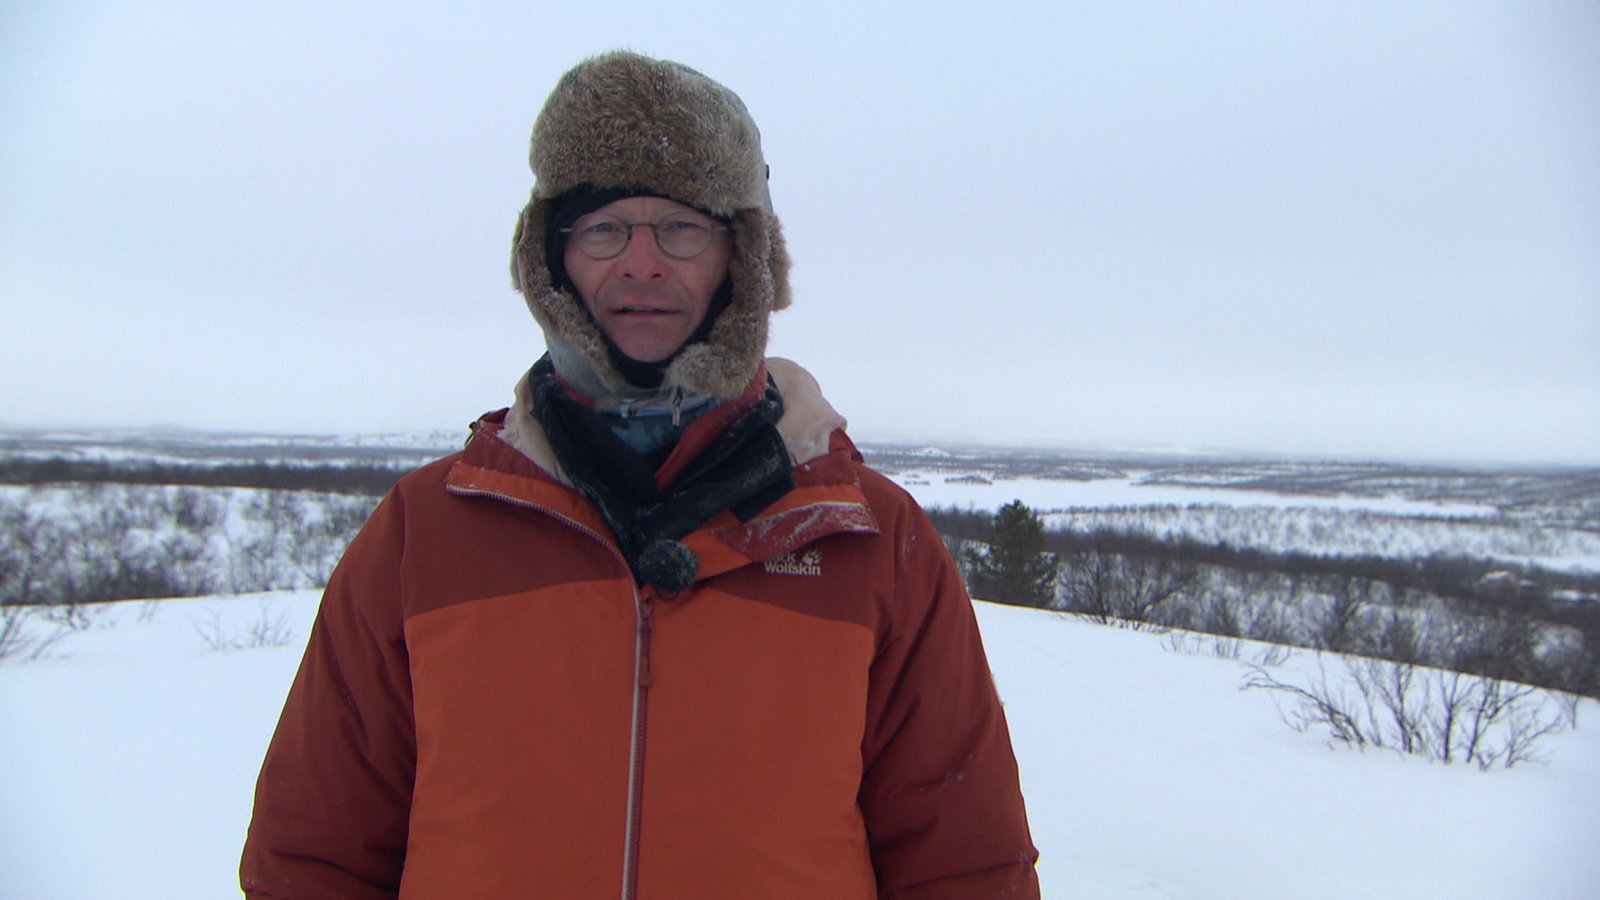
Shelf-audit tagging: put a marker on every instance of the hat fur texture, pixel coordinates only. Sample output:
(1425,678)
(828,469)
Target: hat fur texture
(622,120)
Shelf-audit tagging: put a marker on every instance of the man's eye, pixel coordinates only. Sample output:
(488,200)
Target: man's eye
(601,229)
(681,226)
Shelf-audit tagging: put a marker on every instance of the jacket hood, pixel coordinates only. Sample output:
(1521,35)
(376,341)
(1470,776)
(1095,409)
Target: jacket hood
(626,121)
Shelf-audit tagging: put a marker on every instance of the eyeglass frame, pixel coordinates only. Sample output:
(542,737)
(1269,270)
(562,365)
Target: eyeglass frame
(655,232)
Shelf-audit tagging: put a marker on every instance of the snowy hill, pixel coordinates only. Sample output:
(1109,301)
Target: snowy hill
(129,754)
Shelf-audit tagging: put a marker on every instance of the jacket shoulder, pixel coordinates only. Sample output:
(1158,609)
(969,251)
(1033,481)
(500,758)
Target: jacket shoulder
(891,504)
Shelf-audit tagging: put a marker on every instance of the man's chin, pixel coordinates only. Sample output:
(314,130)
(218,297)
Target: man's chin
(648,352)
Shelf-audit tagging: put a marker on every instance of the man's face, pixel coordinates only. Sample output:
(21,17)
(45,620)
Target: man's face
(648,303)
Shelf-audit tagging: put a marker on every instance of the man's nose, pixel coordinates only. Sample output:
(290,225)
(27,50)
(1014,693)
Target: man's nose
(642,256)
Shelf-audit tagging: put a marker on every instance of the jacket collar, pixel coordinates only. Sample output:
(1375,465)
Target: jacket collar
(807,425)
(509,458)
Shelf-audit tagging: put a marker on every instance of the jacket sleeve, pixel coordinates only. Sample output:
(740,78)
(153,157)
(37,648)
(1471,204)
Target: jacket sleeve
(334,794)
(940,790)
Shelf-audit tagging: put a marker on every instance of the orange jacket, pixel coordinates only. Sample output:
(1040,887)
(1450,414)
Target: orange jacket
(490,707)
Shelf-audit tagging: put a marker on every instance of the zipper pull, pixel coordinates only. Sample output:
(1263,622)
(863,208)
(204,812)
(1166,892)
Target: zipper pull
(677,406)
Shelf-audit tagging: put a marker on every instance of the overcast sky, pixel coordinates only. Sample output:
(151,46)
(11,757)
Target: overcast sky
(1337,229)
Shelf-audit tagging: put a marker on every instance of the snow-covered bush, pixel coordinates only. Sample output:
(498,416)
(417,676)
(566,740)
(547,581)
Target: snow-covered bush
(62,546)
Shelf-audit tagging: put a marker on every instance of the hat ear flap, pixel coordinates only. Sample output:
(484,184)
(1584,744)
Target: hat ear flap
(724,363)
(558,310)
(519,263)
(777,263)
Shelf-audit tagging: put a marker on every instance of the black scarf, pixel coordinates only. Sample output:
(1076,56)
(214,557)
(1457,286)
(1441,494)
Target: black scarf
(744,470)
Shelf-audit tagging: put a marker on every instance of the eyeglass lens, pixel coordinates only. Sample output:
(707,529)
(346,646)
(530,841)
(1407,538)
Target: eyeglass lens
(602,236)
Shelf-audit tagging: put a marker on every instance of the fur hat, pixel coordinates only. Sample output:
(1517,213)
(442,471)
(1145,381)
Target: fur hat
(648,126)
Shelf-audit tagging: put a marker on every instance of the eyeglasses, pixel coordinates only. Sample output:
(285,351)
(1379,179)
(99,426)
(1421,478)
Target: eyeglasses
(680,235)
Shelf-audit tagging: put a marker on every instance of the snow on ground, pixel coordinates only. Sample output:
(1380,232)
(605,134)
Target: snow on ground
(1149,774)
(129,756)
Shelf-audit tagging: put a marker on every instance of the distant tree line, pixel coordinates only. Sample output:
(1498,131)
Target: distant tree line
(372,479)
(1449,575)
(1478,616)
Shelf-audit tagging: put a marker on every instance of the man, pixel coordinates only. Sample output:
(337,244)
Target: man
(656,631)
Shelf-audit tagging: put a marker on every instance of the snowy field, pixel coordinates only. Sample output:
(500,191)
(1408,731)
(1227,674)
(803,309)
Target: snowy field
(129,755)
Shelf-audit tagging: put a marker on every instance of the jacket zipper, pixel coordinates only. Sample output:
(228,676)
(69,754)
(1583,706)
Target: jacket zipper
(645,607)
(641,701)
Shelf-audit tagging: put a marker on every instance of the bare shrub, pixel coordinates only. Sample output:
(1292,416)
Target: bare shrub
(326,533)
(1272,655)
(1112,587)
(1265,606)
(18,637)
(30,556)
(1347,600)
(270,628)
(213,635)
(67,616)
(14,636)
(1089,584)
(261,556)
(196,511)
(1321,703)
(293,540)
(1202,644)
(1439,715)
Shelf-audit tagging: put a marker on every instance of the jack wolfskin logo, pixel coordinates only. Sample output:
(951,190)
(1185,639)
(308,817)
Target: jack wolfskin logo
(807,563)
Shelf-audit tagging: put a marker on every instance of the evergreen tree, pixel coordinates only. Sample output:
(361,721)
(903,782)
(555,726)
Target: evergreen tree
(1014,568)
